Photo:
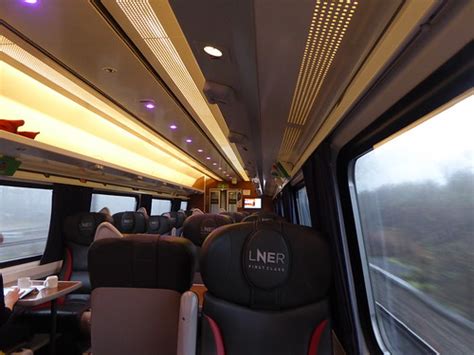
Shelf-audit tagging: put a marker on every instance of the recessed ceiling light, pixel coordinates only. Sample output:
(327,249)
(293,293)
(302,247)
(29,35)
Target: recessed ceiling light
(214,163)
(213,51)
(189,140)
(224,172)
(173,126)
(208,158)
(200,150)
(220,168)
(149,104)
(31,1)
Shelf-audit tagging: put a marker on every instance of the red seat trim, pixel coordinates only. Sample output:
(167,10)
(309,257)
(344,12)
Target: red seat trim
(316,337)
(217,336)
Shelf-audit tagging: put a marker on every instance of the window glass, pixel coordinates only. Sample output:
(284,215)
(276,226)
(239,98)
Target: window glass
(158,206)
(184,205)
(415,196)
(25,214)
(115,203)
(302,205)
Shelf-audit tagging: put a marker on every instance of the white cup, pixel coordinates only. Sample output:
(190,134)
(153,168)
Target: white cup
(51,282)
(24,282)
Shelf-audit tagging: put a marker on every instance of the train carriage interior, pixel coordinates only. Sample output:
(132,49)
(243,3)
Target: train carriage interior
(236,177)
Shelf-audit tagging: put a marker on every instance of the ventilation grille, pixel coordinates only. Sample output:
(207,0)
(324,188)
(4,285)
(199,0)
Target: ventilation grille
(290,137)
(329,24)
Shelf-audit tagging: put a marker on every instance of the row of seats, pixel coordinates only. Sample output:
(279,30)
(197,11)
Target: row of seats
(267,286)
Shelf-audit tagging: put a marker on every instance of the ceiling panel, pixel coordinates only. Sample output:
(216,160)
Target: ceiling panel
(76,35)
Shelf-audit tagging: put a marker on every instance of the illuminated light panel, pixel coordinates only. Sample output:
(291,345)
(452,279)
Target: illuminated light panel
(213,51)
(107,111)
(67,125)
(329,24)
(290,137)
(141,15)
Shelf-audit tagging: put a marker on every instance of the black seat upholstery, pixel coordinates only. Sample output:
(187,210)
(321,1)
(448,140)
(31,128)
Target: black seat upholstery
(158,225)
(236,216)
(137,283)
(130,222)
(262,217)
(267,288)
(142,261)
(79,231)
(196,228)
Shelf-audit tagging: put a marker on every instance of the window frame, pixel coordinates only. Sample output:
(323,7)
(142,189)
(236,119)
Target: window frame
(31,186)
(112,193)
(447,83)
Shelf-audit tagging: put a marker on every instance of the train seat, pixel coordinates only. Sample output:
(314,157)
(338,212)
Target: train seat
(262,217)
(196,228)
(158,225)
(140,303)
(130,222)
(267,290)
(236,216)
(107,230)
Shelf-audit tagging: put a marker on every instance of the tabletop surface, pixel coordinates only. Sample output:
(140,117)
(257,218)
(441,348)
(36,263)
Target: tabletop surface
(49,294)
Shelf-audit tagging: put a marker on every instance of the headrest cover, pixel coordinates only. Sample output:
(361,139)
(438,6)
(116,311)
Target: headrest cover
(106,230)
(269,265)
(158,225)
(130,222)
(143,211)
(142,261)
(262,217)
(80,228)
(197,227)
(236,216)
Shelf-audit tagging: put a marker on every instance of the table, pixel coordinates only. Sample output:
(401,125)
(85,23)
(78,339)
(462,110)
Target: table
(47,295)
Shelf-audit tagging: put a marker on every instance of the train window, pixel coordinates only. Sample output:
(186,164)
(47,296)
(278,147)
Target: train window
(115,203)
(415,205)
(25,214)
(184,205)
(302,206)
(158,206)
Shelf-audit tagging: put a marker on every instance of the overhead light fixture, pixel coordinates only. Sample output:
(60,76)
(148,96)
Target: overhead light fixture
(189,140)
(132,145)
(208,158)
(146,21)
(31,2)
(173,127)
(214,164)
(213,51)
(200,150)
(149,104)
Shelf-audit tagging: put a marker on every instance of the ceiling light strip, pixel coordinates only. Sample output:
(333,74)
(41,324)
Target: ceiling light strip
(328,26)
(145,21)
(21,56)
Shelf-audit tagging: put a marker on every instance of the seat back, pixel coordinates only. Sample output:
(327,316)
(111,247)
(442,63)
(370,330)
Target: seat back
(196,228)
(130,222)
(79,231)
(267,290)
(262,216)
(158,225)
(137,285)
(236,216)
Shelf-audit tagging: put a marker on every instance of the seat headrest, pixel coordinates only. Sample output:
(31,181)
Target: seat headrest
(262,217)
(236,216)
(158,225)
(269,265)
(143,211)
(142,261)
(130,222)
(107,230)
(80,228)
(196,228)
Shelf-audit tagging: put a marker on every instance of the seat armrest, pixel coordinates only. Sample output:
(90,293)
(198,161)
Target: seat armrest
(187,327)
